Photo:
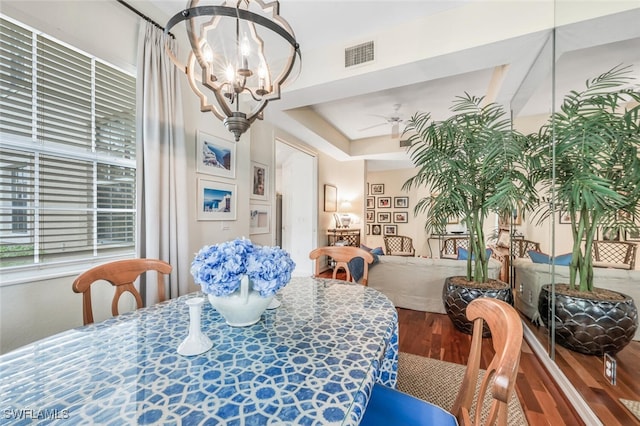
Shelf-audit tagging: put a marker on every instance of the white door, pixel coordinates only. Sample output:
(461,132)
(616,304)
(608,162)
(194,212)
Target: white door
(298,186)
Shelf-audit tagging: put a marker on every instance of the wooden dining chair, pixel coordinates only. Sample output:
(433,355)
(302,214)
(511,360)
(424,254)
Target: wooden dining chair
(390,407)
(341,256)
(121,274)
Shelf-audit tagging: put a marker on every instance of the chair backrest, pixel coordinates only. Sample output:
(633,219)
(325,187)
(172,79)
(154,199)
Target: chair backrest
(521,247)
(499,380)
(121,274)
(342,255)
(450,246)
(398,245)
(620,253)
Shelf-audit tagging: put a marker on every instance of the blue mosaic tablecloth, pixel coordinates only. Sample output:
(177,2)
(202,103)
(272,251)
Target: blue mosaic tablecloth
(312,361)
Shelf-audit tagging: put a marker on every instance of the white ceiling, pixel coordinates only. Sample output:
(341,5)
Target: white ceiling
(320,23)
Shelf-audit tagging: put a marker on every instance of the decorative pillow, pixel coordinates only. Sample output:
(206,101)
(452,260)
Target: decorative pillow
(560,260)
(376,251)
(503,239)
(463,253)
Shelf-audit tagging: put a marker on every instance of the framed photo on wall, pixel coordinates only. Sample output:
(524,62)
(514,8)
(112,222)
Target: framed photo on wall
(384,202)
(260,217)
(384,217)
(376,229)
(401,202)
(371,202)
(371,216)
(390,229)
(377,189)
(330,198)
(260,181)
(400,217)
(215,156)
(216,200)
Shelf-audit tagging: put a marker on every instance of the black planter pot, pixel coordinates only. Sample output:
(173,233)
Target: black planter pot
(588,326)
(456,297)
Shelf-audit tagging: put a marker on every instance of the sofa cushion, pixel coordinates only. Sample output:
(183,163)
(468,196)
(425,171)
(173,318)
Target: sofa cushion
(356,265)
(463,253)
(538,257)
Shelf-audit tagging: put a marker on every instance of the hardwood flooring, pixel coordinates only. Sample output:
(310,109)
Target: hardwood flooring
(433,335)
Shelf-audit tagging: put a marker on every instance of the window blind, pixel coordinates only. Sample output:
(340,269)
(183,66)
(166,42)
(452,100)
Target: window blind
(67,152)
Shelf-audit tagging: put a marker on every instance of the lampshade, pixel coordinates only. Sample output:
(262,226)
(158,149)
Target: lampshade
(242,52)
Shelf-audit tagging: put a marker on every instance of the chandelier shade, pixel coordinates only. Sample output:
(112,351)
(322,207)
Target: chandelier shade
(240,57)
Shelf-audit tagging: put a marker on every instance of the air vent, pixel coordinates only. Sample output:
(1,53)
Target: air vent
(359,54)
(405,143)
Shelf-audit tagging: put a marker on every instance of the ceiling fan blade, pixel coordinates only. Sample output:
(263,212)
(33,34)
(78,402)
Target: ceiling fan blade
(371,127)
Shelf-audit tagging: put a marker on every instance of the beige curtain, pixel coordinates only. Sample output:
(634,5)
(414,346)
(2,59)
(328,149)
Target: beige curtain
(162,188)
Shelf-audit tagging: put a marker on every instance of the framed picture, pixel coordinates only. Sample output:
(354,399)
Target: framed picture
(400,217)
(384,202)
(401,202)
(215,156)
(610,234)
(260,217)
(376,229)
(371,216)
(632,235)
(390,229)
(216,200)
(330,198)
(384,217)
(564,217)
(260,186)
(371,202)
(377,189)
(368,229)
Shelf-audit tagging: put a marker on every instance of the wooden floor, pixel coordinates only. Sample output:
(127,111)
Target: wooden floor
(433,335)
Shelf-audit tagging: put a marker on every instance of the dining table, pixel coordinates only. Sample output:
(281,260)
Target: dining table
(311,361)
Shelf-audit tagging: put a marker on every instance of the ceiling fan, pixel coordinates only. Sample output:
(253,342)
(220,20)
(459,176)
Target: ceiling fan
(394,118)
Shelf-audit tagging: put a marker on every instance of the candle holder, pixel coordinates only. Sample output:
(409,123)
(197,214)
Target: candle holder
(196,342)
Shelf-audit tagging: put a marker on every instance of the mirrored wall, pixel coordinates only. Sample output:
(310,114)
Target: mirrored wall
(585,40)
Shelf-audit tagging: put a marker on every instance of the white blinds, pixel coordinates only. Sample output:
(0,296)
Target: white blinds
(67,149)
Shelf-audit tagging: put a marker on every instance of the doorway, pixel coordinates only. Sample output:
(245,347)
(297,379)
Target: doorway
(297,206)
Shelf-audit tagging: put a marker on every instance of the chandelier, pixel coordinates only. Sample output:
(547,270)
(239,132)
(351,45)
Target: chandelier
(241,54)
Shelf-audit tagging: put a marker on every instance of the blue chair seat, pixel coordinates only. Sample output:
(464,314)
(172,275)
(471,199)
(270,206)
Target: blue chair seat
(388,407)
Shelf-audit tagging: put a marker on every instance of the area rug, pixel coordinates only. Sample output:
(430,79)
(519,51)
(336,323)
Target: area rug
(633,406)
(438,382)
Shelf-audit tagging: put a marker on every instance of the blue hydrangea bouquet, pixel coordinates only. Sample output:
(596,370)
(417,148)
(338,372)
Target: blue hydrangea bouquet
(219,268)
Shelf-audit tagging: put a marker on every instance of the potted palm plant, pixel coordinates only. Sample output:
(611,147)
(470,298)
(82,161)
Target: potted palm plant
(591,144)
(474,164)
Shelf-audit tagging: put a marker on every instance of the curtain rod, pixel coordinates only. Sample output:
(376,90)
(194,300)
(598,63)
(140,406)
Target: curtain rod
(142,15)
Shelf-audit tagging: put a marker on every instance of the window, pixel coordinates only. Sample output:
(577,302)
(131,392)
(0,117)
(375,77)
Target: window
(67,152)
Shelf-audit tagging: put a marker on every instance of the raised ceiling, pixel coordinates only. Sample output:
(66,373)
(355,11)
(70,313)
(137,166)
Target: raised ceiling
(427,52)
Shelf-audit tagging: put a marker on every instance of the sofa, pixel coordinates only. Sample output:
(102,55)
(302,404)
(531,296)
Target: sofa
(416,282)
(530,277)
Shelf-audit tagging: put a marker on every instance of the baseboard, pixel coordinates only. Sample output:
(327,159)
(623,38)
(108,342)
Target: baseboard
(572,395)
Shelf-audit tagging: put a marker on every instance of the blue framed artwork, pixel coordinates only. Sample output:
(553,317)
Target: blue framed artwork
(216,200)
(215,156)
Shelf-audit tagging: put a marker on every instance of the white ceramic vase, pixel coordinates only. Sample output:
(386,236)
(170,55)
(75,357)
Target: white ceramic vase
(243,307)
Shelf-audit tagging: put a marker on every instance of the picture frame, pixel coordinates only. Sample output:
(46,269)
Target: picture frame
(330,198)
(610,234)
(400,217)
(216,200)
(377,189)
(632,235)
(390,229)
(453,220)
(384,202)
(384,217)
(368,229)
(564,218)
(376,229)
(259,218)
(215,156)
(371,203)
(400,202)
(260,181)
(370,216)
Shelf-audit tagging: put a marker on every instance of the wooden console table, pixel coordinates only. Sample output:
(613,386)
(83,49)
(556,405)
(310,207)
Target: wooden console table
(351,237)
